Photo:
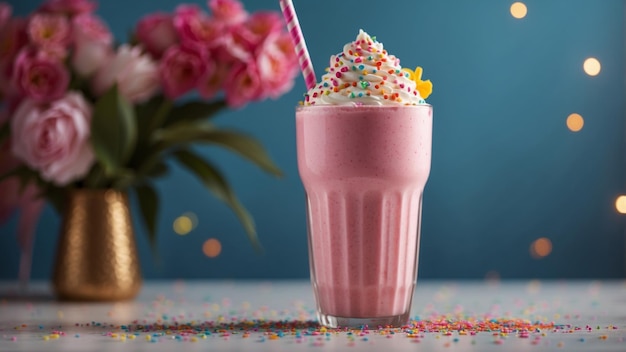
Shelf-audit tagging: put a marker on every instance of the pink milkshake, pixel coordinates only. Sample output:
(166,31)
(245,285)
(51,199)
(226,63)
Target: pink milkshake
(364,170)
(364,159)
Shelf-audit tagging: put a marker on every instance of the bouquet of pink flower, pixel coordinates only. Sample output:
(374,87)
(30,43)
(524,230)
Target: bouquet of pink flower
(79,112)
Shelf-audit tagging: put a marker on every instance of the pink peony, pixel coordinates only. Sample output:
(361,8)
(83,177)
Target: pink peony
(54,139)
(262,25)
(196,28)
(136,75)
(181,68)
(49,30)
(93,44)
(243,40)
(157,33)
(69,7)
(39,76)
(213,79)
(277,64)
(236,45)
(243,84)
(228,11)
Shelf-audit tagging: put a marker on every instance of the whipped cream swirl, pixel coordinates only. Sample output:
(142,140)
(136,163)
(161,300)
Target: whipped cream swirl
(365,74)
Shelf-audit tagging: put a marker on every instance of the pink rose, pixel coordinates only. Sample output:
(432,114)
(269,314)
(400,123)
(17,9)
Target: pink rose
(54,139)
(157,33)
(228,11)
(93,44)
(49,30)
(181,68)
(243,85)
(277,64)
(39,76)
(136,75)
(196,28)
(69,7)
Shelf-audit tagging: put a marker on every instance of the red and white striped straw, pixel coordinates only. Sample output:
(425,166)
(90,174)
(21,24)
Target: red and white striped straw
(293,25)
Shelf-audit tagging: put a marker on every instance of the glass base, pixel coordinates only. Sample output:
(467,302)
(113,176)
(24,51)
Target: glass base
(332,321)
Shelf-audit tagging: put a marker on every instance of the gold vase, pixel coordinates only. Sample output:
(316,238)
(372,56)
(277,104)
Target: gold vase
(96,256)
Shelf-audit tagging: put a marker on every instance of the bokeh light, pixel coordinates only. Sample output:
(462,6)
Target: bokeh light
(185,223)
(540,248)
(592,66)
(575,122)
(620,204)
(182,225)
(212,247)
(519,10)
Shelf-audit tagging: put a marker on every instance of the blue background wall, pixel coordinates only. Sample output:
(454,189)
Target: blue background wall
(506,170)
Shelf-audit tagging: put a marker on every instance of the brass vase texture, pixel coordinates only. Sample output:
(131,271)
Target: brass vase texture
(96,256)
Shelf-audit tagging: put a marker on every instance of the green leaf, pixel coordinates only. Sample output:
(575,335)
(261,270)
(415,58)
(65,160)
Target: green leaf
(150,116)
(247,147)
(244,145)
(113,131)
(149,206)
(193,111)
(147,112)
(160,114)
(217,184)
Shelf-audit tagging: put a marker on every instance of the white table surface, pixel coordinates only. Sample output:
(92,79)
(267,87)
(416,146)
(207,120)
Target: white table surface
(586,316)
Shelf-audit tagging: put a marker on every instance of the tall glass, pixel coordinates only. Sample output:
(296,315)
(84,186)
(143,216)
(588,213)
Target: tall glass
(364,169)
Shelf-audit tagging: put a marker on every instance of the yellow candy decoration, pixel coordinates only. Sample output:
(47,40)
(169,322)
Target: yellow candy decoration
(423,87)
